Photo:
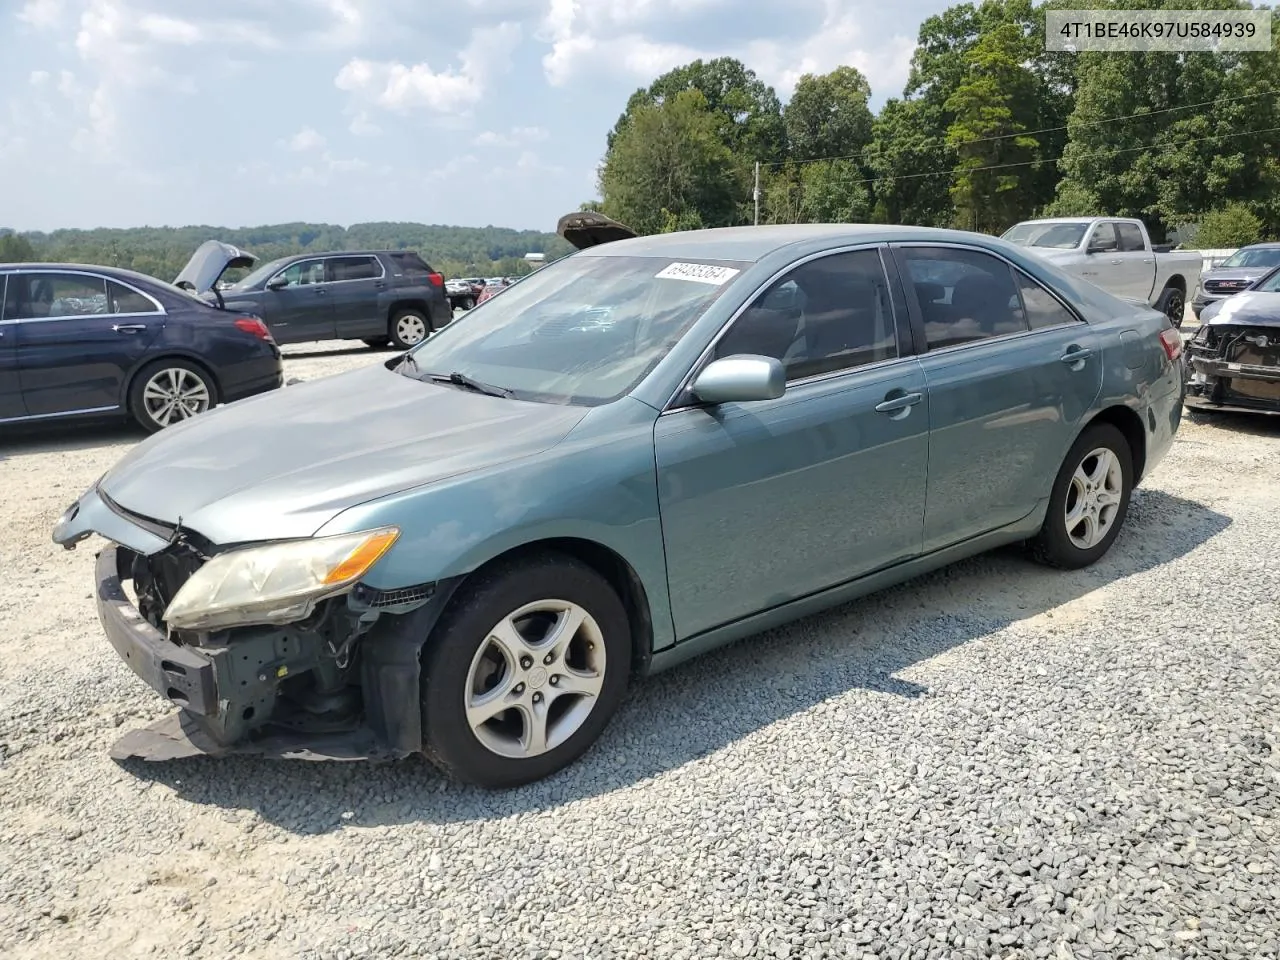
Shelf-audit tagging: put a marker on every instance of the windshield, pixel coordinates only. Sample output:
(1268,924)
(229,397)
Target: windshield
(259,276)
(1260,257)
(1060,236)
(584,330)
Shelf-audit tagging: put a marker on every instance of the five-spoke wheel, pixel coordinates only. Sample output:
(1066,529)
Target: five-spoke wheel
(1089,500)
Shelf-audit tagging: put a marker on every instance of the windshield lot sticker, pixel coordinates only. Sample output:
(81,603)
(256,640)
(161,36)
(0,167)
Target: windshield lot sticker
(698,272)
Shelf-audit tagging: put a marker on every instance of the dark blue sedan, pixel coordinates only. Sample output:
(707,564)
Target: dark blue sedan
(89,342)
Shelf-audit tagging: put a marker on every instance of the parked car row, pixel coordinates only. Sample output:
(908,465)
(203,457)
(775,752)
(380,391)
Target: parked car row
(468,551)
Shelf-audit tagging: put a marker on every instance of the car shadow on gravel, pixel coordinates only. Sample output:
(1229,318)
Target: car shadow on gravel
(709,703)
(52,438)
(1242,424)
(345,351)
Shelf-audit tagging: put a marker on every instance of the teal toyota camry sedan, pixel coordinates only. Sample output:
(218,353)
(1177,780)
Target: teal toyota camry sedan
(643,451)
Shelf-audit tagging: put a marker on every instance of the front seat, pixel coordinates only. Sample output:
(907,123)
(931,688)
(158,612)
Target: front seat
(761,331)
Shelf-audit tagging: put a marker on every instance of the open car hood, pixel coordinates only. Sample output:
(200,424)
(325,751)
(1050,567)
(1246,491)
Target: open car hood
(211,260)
(586,229)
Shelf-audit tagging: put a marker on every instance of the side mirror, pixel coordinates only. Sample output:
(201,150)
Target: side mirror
(740,379)
(277,283)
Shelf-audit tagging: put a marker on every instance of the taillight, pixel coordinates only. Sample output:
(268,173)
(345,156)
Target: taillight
(254,326)
(1171,340)
(437,280)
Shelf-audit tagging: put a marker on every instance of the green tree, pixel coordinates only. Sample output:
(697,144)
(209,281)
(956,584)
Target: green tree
(1231,226)
(16,249)
(908,151)
(669,164)
(828,115)
(993,108)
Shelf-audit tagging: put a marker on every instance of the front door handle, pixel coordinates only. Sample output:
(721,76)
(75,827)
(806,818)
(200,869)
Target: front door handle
(1116,263)
(128,327)
(1076,356)
(900,404)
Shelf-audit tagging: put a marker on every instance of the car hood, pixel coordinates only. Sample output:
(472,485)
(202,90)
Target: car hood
(1235,273)
(284,464)
(211,260)
(584,229)
(1251,307)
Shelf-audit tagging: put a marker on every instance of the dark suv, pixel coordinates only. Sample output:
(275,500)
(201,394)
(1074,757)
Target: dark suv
(378,296)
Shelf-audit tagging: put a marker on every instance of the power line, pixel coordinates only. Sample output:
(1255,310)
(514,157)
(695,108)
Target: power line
(1032,133)
(952,171)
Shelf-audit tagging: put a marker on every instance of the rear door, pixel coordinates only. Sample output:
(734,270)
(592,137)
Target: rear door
(354,285)
(79,334)
(11,406)
(1011,371)
(301,309)
(1137,271)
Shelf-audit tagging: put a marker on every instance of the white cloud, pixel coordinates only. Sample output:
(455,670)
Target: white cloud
(396,86)
(514,138)
(38,78)
(362,126)
(42,14)
(304,140)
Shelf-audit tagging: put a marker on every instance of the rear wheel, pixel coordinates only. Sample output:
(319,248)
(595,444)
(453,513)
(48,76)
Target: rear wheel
(524,672)
(1089,501)
(1175,306)
(169,391)
(409,328)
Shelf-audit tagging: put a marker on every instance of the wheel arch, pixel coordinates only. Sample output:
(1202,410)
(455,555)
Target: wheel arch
(1129,423)
(1177,282)
(409,303)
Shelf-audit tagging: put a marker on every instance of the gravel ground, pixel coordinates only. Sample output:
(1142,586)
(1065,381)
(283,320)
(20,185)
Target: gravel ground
(996,760)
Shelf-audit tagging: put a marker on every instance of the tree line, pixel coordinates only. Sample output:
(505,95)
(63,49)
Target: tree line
(990,129)
(162,251)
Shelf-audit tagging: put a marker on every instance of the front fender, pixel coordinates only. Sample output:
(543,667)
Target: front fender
(599,485)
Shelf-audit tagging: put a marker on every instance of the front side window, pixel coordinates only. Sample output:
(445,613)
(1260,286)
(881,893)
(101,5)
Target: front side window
(829,314)
(303,274)
(41,296)
(1104,238)
(584,330)
(964,295)
(353,268)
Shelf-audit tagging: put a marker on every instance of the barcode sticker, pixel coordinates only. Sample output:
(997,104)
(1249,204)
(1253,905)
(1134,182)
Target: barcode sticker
(698,272)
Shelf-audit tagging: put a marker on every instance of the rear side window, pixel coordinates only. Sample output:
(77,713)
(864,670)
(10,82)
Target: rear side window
(42,296)
(408,262)
(124,300)
(1130,237)
(964,295)
(353,268)
(1042,308)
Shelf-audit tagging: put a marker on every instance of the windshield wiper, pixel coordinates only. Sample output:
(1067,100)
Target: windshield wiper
(462,380)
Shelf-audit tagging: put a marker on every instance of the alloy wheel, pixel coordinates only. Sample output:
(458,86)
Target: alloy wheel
(174,394)
(1093,498)
(411,329)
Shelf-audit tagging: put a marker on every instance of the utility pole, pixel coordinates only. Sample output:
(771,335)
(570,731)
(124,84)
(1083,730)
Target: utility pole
(755,194)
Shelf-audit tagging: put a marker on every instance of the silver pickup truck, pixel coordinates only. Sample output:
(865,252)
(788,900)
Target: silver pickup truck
(1116,254)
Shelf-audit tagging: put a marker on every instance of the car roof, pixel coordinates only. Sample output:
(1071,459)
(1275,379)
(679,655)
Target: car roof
(754,243)
(119,273)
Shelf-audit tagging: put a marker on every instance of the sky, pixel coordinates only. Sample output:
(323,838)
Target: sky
(124,113)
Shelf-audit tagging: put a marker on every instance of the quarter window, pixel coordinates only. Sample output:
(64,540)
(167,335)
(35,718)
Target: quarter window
(825,315)
(124,300)
(304,273)
(353,268)
(964,295)
(41,296)
(1042,308)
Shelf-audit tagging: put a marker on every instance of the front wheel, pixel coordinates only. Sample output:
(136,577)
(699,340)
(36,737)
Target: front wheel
(524,672)
(168,391)
(1089,501)
(408,328)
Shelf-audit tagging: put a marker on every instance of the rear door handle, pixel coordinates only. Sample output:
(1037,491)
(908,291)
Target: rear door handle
(1076,355)
(901,402)
(128,327)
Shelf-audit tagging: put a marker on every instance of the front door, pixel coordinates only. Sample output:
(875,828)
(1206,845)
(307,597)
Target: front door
(79,335)
(1010,373)
(1103,265)
(766,502)
(354,285)
(301,310)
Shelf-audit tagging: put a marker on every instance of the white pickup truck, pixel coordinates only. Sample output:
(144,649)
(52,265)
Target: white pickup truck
(1116,254)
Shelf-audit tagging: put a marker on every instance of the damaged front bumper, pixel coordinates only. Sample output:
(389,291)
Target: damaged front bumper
(342,684)
(1234,369)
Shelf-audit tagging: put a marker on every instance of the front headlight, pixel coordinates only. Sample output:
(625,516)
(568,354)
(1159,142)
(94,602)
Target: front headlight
(276,583)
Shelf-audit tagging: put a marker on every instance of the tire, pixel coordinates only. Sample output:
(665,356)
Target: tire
(377,342)
(1071,547)
(465,668)
(468,303)
(1175,306)
(408,328)
(166,392)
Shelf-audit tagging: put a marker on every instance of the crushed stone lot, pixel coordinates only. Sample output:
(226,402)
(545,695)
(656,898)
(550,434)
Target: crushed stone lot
(997,760)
